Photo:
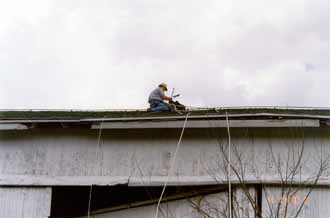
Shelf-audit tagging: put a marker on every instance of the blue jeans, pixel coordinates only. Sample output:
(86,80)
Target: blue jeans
(159,106)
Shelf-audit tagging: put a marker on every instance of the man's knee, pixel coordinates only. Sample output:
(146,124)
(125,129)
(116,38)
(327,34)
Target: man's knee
(165,107)
(160,107)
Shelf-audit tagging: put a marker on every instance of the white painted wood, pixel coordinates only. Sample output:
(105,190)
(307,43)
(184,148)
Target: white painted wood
(12,126)
(16,202)
(38,121)
(208,124)
(62,157)
(241,204)
(28,180)
(316,204)
(209,116)
(146,118)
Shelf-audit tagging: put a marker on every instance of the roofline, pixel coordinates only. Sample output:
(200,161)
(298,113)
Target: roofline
(162,118)
(199,124)
(193,108)
(211,116)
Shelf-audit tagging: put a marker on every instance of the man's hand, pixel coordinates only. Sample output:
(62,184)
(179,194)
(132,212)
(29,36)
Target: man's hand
(167,98)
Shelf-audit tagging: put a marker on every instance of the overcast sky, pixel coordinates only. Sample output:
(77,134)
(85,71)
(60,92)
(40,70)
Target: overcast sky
(106,54)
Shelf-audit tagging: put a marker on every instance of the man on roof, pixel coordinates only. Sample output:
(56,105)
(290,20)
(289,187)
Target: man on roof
(157,98)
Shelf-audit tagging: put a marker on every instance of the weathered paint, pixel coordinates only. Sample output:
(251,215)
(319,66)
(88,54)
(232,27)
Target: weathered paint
(72,157)
(209,124)
(19,202)
(241,203)
(315,205)
(12,126)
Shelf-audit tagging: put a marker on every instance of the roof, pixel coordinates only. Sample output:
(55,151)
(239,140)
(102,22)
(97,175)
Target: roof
(142,119)
(123,114)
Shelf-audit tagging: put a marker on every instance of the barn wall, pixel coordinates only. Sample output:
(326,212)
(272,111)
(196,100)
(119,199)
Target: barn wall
(72,157)
(316,204)
(25,202)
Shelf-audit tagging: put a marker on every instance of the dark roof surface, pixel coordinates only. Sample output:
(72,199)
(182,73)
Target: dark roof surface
(78,115)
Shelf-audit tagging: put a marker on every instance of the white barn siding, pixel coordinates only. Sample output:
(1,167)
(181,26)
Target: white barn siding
(25,202)
(241,203)
(316,205)
(71,157)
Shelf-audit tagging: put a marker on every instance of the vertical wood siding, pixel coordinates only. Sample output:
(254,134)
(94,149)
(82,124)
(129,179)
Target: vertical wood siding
(25,202)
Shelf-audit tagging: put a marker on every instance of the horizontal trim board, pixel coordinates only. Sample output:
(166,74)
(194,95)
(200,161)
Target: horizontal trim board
(209,116)
(209,180)
(148,118)
(30,180)
(12,126)
(207,124)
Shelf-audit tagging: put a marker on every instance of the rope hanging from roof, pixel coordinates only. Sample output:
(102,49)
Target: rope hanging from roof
(229,166)
(96,158)
(172,165)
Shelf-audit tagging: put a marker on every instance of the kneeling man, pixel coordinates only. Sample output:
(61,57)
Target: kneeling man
(157,98)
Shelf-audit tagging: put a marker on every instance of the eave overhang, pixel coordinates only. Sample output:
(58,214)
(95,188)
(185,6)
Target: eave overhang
(213,118)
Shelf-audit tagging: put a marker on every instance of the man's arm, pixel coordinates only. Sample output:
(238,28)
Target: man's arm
(164,97)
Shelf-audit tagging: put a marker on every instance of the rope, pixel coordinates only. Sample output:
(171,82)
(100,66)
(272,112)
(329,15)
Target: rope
(96,154)
(229,165)
(89,200)
(172,165)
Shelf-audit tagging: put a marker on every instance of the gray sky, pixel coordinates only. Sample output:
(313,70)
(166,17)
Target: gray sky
(85,54)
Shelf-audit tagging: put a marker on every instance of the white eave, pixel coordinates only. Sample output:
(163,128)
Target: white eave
(12,126)
(252,120)
(208,124)
(177,117)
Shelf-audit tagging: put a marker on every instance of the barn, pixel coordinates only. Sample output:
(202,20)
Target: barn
(220,162)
